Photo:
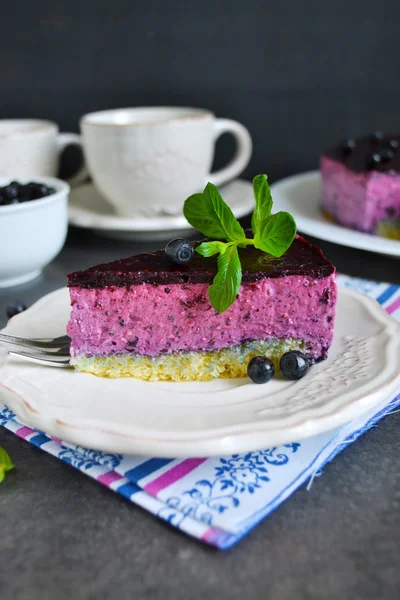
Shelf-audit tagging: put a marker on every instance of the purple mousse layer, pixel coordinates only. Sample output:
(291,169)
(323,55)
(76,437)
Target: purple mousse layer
(359,200)
(150,320)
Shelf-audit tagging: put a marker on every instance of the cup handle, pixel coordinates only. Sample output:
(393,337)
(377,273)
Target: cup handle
(68,139)
(242,155)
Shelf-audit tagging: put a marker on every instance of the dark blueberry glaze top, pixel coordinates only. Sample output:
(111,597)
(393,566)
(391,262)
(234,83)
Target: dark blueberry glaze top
(374,152)
(302,258)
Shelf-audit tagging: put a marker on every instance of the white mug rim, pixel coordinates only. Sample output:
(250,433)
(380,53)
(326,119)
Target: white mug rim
(43,125)
(189,114)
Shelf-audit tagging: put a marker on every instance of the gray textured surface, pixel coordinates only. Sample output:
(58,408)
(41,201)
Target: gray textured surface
(65,536)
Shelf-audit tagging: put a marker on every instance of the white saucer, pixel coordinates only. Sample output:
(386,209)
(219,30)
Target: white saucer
(211,418)
(88,209)
(300,195)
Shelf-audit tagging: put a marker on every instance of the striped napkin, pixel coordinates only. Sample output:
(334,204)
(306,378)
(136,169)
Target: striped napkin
(217,500)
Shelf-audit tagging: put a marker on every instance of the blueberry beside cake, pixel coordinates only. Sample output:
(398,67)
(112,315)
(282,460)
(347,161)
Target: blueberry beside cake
(232,305)
(361,184)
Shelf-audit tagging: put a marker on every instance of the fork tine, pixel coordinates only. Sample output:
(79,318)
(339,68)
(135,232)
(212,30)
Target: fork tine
(62,339)
(53,354)
(49,361)
(60,342)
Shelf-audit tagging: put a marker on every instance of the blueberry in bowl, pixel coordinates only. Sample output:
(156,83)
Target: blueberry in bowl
(16,192)
(33,226)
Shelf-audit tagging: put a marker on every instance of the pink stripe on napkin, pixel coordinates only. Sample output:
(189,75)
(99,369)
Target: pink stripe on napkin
(209,535)
(109,478)
(392,307)
(25,432)
(173,475)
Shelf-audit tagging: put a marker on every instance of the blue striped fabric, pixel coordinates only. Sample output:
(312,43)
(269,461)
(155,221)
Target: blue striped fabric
(147,468)
(387,294)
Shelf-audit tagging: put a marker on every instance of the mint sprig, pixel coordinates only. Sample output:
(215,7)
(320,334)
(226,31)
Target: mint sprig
(208,213)
(5,463)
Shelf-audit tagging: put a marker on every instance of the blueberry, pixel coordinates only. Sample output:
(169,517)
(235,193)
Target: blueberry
(37,190)
(14,309)
(377,136)
(394,144)
(43,190)
(373,161)
(294,365)
(10,192)
(386,155)
(390,211)
(348,146)
(15,186)
(179,251)
(24,193)
(260,369)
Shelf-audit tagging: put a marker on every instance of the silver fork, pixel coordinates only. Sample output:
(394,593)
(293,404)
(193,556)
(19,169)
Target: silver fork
(52,352)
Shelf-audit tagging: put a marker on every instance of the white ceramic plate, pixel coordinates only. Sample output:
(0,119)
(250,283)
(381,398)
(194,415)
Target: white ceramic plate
(300,195)
(88,209)
(204,418)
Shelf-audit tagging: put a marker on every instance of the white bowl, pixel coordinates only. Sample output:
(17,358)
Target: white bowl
(32,233)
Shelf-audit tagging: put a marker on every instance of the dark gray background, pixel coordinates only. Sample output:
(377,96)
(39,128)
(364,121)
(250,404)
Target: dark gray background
(299,75)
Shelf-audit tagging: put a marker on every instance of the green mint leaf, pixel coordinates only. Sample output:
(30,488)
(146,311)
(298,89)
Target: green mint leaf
(5,464)
(276,234)
(208,213)
(226,284)
(197,214)
(263,198)
(233,231)
(5,460)
(207,249)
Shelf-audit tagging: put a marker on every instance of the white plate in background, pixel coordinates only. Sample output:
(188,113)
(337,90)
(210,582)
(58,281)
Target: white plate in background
(300,195)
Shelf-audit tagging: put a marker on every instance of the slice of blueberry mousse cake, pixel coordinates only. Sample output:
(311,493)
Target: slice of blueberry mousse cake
(361,184)
(266,302)
(151,319)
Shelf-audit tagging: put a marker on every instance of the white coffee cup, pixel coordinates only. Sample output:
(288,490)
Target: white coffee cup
(147,161)
(32,148)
